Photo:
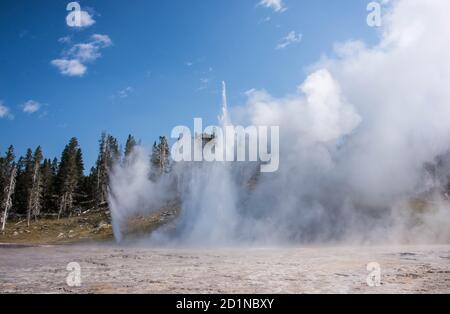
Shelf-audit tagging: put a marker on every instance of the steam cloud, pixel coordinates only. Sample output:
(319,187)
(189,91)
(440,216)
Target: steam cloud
(354,141)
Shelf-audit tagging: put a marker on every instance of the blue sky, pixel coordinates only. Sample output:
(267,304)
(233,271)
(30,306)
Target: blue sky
(157,63)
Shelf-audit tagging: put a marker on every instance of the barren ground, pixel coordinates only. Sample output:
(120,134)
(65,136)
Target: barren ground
(114,269)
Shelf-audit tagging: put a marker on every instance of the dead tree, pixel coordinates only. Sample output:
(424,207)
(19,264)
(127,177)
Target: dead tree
(65,204)
(9,191)
(34,198)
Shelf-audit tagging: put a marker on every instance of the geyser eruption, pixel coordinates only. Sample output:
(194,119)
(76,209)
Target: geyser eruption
(355,141)
(224,119)
(132,192)
(208,193)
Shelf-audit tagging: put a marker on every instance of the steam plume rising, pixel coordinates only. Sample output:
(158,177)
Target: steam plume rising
(354,141)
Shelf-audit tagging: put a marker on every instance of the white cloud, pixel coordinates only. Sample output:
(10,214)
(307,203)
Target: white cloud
(31,106)
(265,20)
(5,112)
(65,40)
(276,5)
(126,92)
(84,52)
(70,67)
(74,59)
(86,19)
(204,83)
(102,41)
(291,38)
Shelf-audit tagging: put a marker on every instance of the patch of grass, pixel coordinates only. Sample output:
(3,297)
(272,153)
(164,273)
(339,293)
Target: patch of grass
(91,225)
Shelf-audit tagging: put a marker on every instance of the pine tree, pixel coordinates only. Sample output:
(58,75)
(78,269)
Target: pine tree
(5,168)
(8,184)
(165,154)
(55,167)
(114,151)
(160,158)
(88,190)
(129,146)
(80,191)
(109,155)
(25,183)
(7,161)
(48,186)
(69,175)
(101,172)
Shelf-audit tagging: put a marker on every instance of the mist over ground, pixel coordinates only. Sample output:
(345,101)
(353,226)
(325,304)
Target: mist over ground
(355,139)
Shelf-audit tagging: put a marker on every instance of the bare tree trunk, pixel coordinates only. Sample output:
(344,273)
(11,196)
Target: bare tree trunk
(66,204)
(9,192)
(69,202)
(61,206)
(162,159)
(33,191)
(29,210)
(36,202)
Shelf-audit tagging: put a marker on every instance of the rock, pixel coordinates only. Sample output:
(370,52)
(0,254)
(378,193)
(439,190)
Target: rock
(103,225)
(61,235)
(15,234)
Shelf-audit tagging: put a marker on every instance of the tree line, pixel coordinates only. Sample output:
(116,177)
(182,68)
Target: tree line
(32,186)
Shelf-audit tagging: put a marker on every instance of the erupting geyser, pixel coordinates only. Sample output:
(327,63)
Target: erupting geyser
(354,142)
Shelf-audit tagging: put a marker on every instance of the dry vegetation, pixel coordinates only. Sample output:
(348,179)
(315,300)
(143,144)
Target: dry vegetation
(90,226)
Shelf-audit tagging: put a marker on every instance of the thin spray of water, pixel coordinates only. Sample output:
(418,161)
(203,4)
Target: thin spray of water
(208,193)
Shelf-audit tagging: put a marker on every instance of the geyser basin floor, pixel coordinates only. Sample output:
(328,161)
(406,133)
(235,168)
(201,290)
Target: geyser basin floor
(405,269)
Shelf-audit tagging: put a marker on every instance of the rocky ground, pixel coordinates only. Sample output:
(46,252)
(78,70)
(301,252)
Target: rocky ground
(112,269)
